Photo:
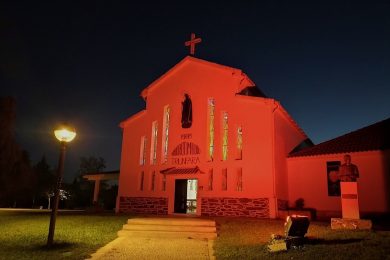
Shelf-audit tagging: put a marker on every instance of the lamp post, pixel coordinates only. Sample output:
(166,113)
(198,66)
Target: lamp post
(65,135)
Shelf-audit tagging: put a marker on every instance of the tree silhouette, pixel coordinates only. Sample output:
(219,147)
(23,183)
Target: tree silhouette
(16,176)
(45,180)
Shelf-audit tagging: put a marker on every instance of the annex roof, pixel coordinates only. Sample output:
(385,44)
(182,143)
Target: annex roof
(370,138)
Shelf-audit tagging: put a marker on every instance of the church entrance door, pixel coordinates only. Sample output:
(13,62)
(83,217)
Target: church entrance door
(186,196)
(181,196)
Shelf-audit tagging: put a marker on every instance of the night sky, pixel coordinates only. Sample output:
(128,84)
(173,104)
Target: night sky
(86,63)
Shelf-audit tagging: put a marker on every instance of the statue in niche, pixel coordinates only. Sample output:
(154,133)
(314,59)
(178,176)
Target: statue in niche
(186,113)
(348,172)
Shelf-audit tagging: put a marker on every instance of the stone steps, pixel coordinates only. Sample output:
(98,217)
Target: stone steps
(173,221)
(169,228)
(166,234)
(173,228)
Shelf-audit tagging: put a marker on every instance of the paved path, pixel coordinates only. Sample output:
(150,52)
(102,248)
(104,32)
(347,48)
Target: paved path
(154,245)
(155,248)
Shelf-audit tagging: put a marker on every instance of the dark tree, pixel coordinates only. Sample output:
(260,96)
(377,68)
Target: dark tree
(91,165)
(16,178)
(45,180)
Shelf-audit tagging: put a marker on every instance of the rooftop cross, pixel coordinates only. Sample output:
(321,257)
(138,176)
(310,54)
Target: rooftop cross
(192,43)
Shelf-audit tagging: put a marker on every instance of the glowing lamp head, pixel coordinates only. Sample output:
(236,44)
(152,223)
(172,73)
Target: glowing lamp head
(65,134)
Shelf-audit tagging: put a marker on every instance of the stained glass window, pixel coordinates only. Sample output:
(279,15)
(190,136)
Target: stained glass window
(153,150)
(239,143)
(211,111)
(167,111)
(224,136)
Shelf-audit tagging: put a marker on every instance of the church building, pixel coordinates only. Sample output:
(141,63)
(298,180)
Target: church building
(210,143)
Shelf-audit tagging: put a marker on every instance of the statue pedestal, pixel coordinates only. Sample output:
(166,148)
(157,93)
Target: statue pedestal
(349,200)
(345,223)
(350,209)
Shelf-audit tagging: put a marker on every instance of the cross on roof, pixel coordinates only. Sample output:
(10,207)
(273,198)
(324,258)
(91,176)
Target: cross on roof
(192,43)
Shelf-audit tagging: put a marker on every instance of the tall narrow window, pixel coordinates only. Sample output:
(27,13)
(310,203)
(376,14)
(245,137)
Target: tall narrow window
(239,143)
(165,139)
(239,180)
(224,136)
(153,147)
(164,182)
(153,181)
(142,151)
(211,111)
(211,177)
(224,179)
(141,181)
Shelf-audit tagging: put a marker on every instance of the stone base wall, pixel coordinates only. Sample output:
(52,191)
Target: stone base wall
(236,207)
(143,205)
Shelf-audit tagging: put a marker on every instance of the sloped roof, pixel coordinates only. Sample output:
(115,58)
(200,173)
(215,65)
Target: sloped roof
(131,118)
(189,59)
(370,138)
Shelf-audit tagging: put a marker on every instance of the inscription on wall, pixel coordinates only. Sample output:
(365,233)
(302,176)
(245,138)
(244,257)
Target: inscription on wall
(186,152)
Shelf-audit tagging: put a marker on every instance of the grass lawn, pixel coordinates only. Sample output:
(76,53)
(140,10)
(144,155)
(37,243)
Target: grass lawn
(247,239)
(23,235)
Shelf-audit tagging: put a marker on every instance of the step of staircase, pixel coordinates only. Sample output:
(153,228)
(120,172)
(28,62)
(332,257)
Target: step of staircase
(166,234)
(172,221)
(169,228)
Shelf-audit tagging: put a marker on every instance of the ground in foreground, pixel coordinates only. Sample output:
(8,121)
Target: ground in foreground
(247,239)
(23,236)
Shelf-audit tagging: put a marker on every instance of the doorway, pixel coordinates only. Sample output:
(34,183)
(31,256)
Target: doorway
(185,196)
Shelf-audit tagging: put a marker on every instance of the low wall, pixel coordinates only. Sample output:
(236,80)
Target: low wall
(143,205)
(236,207)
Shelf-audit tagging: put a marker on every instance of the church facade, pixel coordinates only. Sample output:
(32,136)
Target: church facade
(210,143)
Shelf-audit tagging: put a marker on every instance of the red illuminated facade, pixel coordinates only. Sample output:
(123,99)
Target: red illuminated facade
(210,143)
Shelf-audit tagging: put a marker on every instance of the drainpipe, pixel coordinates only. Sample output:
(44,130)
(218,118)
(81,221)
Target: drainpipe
(276,106)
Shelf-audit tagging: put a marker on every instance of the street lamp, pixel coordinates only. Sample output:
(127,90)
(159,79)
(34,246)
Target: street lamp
(64,134)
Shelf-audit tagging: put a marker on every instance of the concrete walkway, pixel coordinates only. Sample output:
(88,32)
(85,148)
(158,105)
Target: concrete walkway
(162,238)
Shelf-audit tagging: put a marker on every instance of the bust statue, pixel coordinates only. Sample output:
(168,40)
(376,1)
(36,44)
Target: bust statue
(348,172)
